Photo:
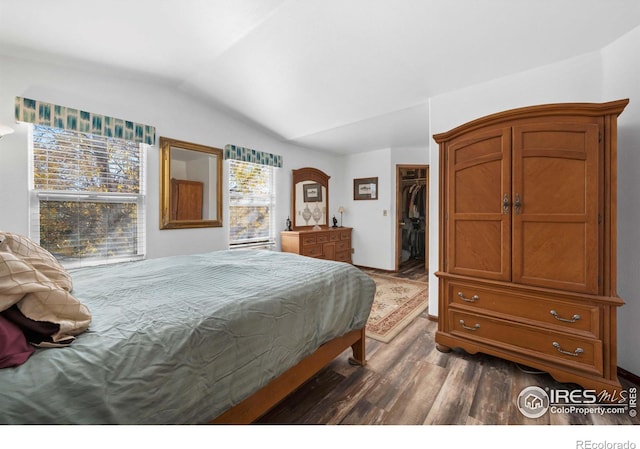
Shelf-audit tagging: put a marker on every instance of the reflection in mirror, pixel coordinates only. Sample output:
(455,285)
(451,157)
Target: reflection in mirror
(191,185)
(310,201)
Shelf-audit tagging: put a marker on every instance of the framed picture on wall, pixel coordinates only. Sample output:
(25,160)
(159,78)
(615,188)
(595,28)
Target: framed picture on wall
(365,189)
(312,193)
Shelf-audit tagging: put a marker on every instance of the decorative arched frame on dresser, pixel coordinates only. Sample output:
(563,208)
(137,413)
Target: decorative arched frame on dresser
(310,192)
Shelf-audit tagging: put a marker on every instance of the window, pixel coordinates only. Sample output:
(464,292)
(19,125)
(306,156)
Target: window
(251,205)
(87,197)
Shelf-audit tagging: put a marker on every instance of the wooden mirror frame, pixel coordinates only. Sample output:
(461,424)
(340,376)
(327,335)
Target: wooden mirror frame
(212,187)
(309,175)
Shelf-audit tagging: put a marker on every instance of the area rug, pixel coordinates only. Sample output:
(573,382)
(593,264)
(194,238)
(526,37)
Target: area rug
(396,304)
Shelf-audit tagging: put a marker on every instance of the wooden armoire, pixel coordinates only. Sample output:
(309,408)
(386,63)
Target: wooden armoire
(527,267)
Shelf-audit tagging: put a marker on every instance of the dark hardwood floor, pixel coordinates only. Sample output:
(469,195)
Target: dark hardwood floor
(413,269)
(408,381)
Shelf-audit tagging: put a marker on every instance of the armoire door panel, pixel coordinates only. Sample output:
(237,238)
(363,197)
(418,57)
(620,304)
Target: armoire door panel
(480,229)
(554,186)
(555,227)
(555,255)
(477,247)
(554,137)
(475,192)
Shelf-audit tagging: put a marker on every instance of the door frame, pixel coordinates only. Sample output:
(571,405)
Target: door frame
(398,214)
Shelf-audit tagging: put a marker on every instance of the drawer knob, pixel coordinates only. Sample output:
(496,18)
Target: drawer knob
(576,353)
(474,328)
(474,298)
(573,319)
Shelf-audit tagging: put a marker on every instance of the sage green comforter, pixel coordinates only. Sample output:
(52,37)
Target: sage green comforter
(182,339)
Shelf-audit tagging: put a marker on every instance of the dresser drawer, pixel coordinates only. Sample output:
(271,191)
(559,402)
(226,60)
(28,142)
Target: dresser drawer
(334,236)
(565,349)
(345,235)
(322,238)
(312,250)
(343,245)
(551,311)
(343,256)
(308,239)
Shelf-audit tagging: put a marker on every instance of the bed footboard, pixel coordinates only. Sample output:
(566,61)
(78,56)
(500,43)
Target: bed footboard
(267,397)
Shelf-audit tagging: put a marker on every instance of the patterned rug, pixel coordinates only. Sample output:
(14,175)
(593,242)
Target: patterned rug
(397,302)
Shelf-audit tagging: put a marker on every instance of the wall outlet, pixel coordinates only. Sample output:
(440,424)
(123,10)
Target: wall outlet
(384,213)
(353,250)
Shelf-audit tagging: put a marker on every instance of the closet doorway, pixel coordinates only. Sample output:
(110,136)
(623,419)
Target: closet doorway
(412,218)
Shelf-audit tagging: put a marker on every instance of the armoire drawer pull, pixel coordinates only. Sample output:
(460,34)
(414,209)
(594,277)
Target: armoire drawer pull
(474,328)
(474,298)
(573,319)
(576,353)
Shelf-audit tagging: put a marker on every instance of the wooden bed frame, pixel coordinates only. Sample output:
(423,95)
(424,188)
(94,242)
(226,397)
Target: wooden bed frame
(271,394)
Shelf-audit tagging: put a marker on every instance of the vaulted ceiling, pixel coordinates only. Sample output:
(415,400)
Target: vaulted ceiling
(338,75)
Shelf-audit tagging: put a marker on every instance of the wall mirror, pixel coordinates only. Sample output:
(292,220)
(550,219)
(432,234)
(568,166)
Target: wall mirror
(310,202)
(190,185)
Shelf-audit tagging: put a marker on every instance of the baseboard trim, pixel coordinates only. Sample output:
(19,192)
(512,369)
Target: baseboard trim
(433,318)
(633,378)
(363,267)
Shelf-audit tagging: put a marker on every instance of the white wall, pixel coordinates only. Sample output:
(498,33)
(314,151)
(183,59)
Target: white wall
(174,115)
(600,76)
(373,221)
(621,62)
(373,237)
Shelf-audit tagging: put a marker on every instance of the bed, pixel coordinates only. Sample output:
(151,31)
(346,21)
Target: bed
(217,337)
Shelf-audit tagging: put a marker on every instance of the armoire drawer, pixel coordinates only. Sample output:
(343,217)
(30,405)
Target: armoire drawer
(565,315)
(563,348)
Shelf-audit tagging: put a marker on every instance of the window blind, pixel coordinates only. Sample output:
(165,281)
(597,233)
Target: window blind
(251,204)
(87,199)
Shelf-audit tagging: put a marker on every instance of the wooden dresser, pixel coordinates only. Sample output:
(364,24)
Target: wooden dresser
(326,243)
(528,240)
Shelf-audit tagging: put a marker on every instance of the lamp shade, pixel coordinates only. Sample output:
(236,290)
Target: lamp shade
(341,210)
(4,130)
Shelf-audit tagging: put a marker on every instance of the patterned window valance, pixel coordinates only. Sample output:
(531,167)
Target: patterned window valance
(249,155)
(48,114)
